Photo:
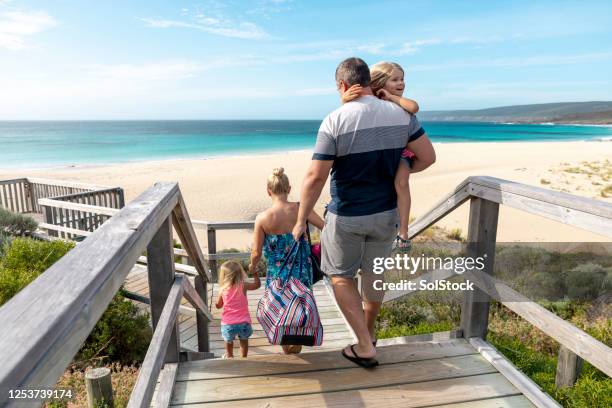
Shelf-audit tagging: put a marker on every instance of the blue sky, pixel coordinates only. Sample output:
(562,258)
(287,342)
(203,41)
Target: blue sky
(275,59)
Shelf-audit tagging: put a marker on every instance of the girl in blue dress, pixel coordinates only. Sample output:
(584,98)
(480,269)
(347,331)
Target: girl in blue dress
(272,236)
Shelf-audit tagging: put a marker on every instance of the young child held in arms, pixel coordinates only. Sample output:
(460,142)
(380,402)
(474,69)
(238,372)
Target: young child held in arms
(235,318)
(387,82)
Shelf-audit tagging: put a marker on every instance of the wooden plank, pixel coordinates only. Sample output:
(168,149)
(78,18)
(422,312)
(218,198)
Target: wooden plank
(557,198)
(184,229)
(51,227)
(482,235)
(593,222)
(224,225)
(161,279)
(166,385)
(569,366)
(516,401)
(211,235)
(46,323)
(77,206)
(436,337)
(11,181)
(441,209)
(186,269)
(154,359)
(576,340)
(486,388)
(268,386)
(65,183)
(523,383)
(192,296)
(203,331)
(283,364)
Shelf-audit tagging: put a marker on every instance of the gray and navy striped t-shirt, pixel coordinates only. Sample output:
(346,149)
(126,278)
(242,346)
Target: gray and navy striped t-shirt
(365,139)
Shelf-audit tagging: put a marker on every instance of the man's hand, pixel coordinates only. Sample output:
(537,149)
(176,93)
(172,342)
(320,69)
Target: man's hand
(352,93)
(299,230)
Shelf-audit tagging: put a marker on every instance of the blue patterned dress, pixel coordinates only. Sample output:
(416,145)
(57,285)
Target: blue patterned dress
(276,247)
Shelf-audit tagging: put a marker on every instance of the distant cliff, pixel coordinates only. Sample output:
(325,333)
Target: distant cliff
(599,112)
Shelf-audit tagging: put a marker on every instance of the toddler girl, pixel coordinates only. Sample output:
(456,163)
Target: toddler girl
(387,82)
(235,318)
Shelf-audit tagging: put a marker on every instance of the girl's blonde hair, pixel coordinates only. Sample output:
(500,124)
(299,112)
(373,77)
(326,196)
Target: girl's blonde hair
(380,73)
(231,273)
(278,182)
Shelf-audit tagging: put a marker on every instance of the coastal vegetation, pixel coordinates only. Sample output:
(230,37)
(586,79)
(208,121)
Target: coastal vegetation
(575,286)
(119,339)
(586,178)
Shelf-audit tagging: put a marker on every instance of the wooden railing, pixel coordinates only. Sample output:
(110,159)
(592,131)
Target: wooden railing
(45,324)
(15,195)
(58,202)
(84,211)
(485,195)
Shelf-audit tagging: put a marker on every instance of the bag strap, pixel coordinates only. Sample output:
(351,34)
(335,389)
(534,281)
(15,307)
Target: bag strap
(286,259)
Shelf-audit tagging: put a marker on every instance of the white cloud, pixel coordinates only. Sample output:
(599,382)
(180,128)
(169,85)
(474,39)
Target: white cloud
(214,25)
(161,71)
(518,61)
(15,26)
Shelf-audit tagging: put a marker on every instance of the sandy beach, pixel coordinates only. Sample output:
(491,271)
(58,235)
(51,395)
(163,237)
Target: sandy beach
(233,188)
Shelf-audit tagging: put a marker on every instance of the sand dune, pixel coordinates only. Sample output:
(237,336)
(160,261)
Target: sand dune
(233,188)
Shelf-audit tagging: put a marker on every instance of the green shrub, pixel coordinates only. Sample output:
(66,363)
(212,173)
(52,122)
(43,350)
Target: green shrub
(24,259)
(585,281)
(16,224)
(121,335)
(5,241)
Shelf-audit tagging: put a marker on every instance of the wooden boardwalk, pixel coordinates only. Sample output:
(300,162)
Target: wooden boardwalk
(448,373)
(436,373)
(334,326)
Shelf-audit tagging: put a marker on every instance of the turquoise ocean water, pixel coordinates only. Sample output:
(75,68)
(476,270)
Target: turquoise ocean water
(48,144)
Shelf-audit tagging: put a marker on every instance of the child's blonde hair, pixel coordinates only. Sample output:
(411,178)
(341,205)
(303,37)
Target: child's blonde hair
(380,73)
(278,182)
(231,273)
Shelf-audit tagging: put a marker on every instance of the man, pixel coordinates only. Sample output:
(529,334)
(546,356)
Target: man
(361,144)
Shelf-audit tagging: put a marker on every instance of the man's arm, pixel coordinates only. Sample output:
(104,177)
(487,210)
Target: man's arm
(311,191)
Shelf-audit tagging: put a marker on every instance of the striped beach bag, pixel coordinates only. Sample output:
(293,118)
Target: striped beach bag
(288,311)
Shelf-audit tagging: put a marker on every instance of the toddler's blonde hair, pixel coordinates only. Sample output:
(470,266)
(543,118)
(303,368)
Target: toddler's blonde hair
(278,182)
(231,273)
(380,73)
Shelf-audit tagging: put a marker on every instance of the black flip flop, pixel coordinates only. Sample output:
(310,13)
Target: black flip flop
(369,362)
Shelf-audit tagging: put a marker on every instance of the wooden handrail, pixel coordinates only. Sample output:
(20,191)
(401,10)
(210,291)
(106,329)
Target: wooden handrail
(589,214)
(142,392)
(44,325)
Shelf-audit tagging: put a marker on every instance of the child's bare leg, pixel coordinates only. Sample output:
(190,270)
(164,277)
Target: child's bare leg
(402,188)
(229,349)
(244,347)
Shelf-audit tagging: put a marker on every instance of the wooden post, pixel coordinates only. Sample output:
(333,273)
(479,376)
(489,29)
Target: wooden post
(202,323)
(99,388)
(160,262)
(568,368)
(482,234)
(121,198)
(49,219)
(212,249)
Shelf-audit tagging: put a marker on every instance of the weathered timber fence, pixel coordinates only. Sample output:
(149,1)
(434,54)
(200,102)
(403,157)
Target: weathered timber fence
(54,200)
(485,195)
(45,324)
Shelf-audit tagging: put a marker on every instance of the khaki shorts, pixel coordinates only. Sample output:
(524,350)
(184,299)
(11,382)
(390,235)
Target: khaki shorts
(350,244)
